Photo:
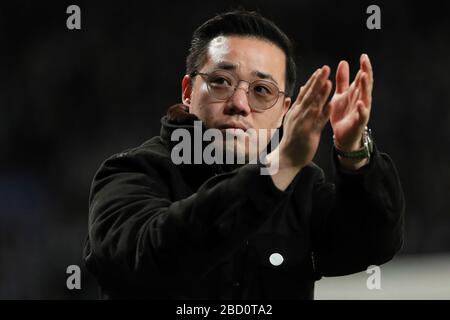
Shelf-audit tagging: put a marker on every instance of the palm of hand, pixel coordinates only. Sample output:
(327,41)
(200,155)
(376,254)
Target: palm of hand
(351,104)
(345,118)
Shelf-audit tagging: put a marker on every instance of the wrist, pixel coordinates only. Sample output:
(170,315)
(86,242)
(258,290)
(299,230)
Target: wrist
(352,164)
(286,169)
(357,154)
(350,147)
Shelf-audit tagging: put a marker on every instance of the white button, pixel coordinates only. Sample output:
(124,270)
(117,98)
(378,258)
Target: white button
(276,259)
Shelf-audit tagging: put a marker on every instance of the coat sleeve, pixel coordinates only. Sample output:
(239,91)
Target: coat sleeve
(137,233)
(358,220)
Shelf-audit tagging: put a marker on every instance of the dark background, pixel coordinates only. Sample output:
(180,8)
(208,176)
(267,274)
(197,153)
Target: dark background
(69,99)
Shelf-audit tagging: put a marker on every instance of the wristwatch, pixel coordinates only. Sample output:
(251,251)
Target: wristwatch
(364,152)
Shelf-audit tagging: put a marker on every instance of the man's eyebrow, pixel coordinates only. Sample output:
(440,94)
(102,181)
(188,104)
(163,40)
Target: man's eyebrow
(226,66)
(263,75)
(231,66)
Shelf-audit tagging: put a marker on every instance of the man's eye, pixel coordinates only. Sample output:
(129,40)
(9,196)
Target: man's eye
(262,90)
(220,81)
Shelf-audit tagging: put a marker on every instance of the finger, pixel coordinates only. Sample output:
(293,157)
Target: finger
(323,76)
(352,96)
(366,91)
(303,102)
(326,107)
(366,66)
(357,81)
(307,85)
(302,92)
(316,92)
(355,97)
(321,96)
(320,113)
(320,117)
(342,76)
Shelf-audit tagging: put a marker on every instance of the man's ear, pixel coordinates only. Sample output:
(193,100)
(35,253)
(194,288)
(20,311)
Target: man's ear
(186,90)
(286,105)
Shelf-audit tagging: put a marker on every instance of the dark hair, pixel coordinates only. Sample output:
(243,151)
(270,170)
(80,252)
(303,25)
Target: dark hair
(246,24)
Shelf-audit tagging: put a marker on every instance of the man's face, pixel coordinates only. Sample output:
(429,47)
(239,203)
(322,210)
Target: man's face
(248,59)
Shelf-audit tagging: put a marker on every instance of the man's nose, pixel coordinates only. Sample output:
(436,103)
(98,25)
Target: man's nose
(238,102)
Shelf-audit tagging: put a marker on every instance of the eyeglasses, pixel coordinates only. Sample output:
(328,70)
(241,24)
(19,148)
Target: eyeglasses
(262,94)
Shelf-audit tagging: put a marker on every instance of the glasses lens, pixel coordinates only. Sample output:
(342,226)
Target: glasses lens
(263,94)
(221,84)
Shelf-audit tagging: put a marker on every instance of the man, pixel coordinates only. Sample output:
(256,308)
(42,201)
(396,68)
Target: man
(224,231)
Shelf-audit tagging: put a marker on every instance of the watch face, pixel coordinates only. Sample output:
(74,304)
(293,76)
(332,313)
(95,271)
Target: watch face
(368,140)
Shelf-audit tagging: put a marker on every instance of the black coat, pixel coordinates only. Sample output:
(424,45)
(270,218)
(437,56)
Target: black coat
(160,230)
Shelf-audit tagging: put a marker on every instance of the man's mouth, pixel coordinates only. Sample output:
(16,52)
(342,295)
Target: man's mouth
(233,126)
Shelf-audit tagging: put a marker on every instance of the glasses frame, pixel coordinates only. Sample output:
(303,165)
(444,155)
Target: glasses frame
(207,75)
